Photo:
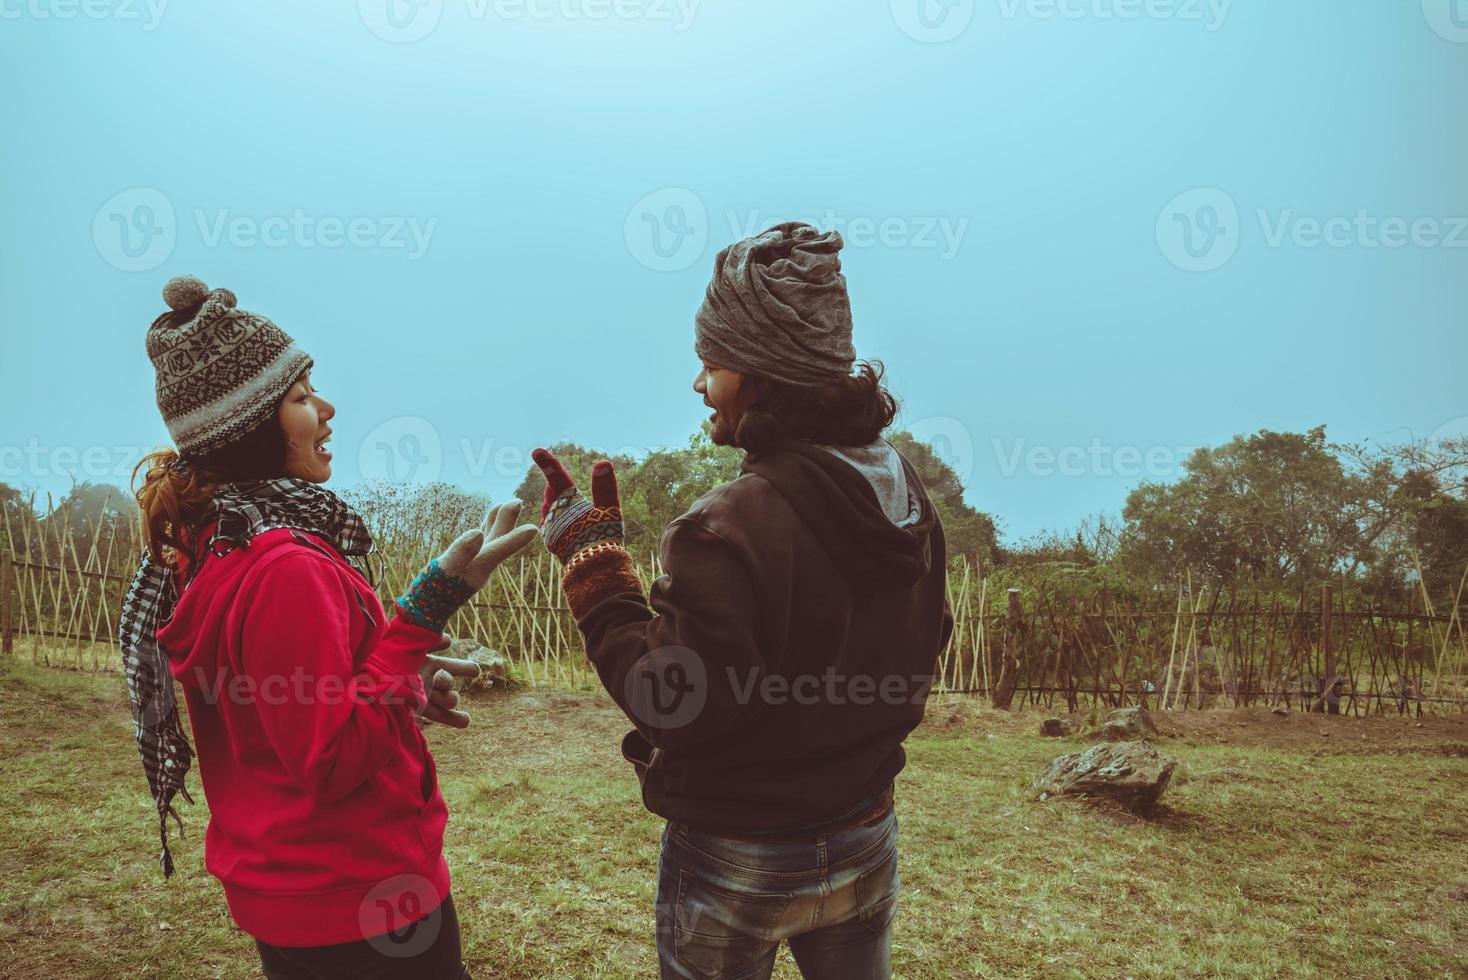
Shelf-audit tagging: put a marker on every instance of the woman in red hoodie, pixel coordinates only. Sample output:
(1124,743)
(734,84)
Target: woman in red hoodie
(326,821)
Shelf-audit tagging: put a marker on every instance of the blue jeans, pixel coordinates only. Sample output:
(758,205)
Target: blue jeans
(725,904)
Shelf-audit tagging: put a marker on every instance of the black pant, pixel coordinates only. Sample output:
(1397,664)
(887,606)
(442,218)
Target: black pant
(424,950)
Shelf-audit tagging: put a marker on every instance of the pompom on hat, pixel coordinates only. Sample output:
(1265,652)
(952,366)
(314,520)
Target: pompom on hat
(221,370)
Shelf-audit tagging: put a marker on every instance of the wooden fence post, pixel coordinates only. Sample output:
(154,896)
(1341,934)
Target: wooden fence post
(1009,669)
(1329,701)
(7,604)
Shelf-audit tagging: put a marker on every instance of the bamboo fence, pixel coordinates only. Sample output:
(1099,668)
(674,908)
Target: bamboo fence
(1197,646)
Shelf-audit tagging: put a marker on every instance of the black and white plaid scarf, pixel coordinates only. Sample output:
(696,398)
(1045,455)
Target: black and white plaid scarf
(240,511)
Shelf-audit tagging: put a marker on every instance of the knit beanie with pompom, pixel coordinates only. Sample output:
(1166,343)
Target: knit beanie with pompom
(221,370)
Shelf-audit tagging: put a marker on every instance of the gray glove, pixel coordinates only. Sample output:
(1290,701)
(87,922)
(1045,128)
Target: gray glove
(449,580)
(439,686)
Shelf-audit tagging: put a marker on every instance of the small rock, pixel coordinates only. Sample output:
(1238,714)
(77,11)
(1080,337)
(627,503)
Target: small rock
(1279,709)
(1056,727)
(1132,773)
(1127,724)
(494,669)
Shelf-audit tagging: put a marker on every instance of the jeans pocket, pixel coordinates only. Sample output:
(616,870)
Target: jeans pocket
(719,930)
(876,893)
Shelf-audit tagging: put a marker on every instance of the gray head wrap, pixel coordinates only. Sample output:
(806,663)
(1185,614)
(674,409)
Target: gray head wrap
(777,307)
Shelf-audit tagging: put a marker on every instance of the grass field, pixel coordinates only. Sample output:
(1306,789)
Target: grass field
(1287,846)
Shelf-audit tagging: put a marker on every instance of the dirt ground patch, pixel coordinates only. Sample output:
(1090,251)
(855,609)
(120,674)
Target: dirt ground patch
(1255,727)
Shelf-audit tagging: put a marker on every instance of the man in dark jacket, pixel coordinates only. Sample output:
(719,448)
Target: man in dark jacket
(781,660)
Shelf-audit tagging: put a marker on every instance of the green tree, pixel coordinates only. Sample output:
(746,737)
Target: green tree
(1279,504)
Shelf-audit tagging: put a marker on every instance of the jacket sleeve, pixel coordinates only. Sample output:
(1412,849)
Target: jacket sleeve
(331,723)
(686,663)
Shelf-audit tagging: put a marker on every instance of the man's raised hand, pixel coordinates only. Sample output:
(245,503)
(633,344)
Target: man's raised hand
(569,522)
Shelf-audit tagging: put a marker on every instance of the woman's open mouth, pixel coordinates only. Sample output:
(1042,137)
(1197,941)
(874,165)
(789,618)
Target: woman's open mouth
(321,449)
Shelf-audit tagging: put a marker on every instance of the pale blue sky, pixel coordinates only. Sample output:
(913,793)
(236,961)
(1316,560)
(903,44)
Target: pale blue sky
(460,227)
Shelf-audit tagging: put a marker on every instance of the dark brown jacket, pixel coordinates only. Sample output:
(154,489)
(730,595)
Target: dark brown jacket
(788,650)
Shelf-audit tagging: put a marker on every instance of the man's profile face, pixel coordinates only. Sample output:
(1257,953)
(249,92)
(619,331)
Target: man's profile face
(721,391)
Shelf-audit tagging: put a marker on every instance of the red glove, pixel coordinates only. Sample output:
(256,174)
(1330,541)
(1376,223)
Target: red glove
(569,522)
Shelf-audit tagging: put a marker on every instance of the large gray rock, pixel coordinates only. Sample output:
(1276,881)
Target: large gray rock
(1132,773)
(1127,724)
(494,669)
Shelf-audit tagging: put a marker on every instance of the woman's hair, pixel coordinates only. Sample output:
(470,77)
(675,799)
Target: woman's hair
(850,412)
(176,493)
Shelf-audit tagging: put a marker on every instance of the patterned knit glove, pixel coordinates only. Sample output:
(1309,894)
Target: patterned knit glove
(571,524)
(449,580)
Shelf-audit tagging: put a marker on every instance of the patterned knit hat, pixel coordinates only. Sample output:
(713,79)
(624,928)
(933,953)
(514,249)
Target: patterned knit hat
(221,371)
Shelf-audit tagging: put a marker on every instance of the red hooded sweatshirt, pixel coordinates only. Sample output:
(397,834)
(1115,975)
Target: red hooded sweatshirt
(326,822)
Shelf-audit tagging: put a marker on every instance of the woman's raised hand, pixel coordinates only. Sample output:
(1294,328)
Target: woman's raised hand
(449,580)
